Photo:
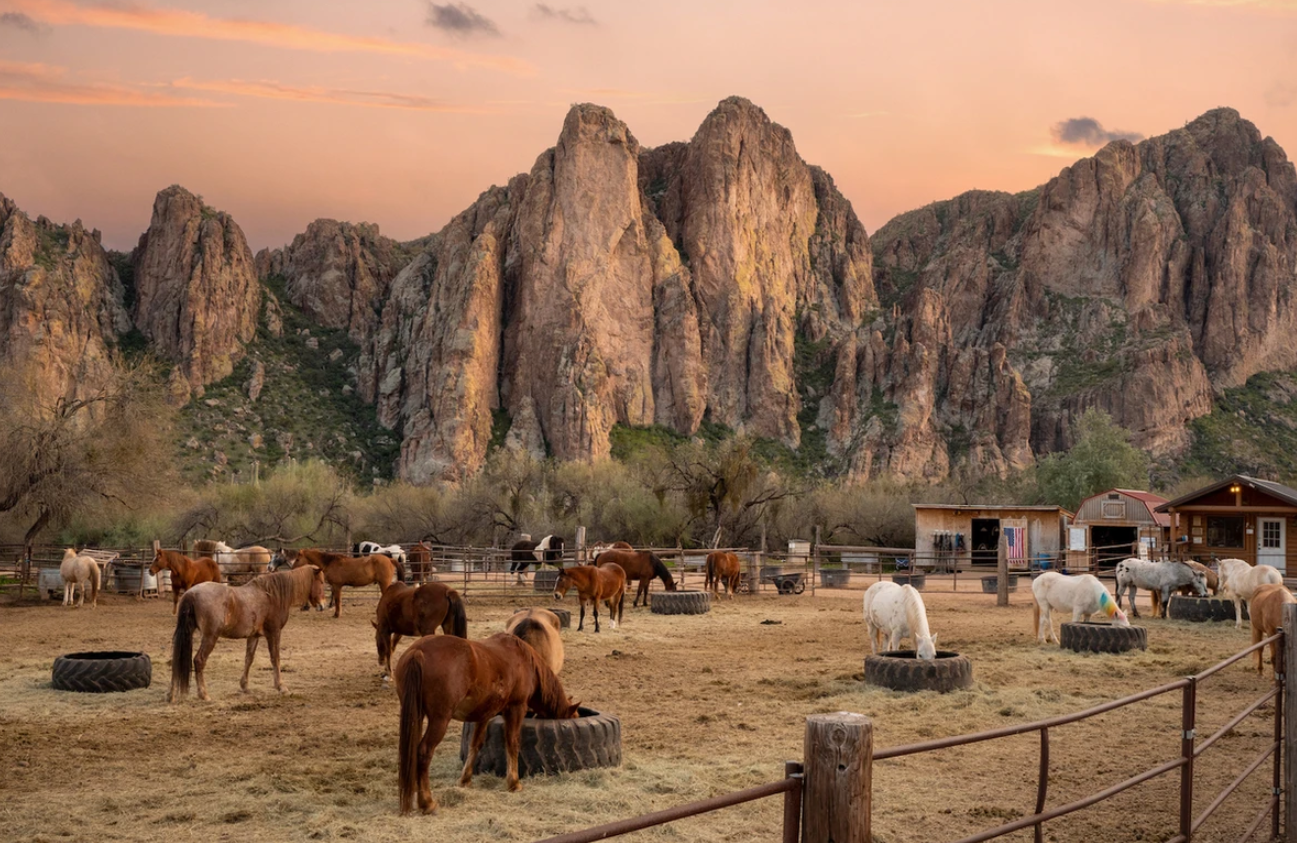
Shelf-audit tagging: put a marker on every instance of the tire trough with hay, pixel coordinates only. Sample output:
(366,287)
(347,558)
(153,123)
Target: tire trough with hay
(102,672)
(550,746)
(901,670)
(681,603)
(1086,637)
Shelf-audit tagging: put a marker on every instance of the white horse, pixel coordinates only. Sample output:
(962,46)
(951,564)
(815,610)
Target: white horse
(76,571)
(1239,581)
(253,559)
(1083,595)
(391,551)
(1162,577)
(897,611)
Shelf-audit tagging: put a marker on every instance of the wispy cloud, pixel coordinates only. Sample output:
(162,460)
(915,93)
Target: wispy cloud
(1088,132)
(186,24)
(333,96)
(20,21)
(578,15)
(460,20)
(45,83)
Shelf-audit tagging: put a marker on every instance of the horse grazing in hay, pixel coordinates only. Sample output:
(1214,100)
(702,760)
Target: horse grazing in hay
(419,559)
(641,565)
(897,611)
(260,607)
(542,629)
(1082,595)
(523,553)
(1213,585)
(185,572)
(77,570)
(1239,581)
(442,677)
(592,584)
(418,611)
(1161,578)
(723,567)
(251,560)
(342,570)
(1266,611)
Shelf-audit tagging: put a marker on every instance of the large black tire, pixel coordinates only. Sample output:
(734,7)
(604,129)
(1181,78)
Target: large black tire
(835,577)
(98,673)
(991,584)
(899,670)
(1102,638)
(550,746)
(916,580)
(681,603)
(544,580)
(1199,609)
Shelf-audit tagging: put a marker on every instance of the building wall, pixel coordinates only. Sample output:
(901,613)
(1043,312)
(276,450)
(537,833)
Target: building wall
(1091,511)
(1045,530)
(1203,552)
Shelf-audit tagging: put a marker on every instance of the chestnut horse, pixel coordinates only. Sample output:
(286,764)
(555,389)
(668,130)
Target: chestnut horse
(592,584)
(641,565)
(416,610)
(420,558)
(1266,611)
(260,607)
(442,677)
(185,572)
(343,570)
(723,567)
(542,629)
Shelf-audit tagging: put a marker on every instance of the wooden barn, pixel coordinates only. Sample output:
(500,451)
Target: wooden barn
(1239,517)
(949,534)
(1111,526)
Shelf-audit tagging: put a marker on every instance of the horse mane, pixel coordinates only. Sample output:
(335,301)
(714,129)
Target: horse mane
(659,569)
(916,614)
(549,699)
(282,587)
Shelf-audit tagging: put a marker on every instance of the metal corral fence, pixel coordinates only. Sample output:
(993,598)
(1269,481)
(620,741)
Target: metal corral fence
(828,797)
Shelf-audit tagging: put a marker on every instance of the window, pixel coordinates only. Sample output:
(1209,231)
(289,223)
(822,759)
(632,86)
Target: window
(1224,531)
(1271,537)
(1114,509)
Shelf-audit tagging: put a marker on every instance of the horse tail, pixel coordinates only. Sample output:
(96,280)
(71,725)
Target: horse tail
(660,570)
(411,726)
(456,615)
(711,570)
(182,646)
(94,583)
(1035,618)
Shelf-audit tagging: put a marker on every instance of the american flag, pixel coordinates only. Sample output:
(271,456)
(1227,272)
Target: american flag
(1016,541)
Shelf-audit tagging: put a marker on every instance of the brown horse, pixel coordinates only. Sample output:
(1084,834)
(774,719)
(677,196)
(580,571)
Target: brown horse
(185,572)
(260,607)
(723,568)
(594,583)
(343,570)
(1266,610)
(641,565)
(542,629)
(442,677)
(416,610)
(420,558)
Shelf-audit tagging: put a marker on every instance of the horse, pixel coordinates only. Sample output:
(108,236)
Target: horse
(185,572)
(1213,585)
(419,558)
(416,610)
(343,570)
(1161,578)
(641,565)
(594,583)
(1083,595)
(897,611)
(1239,581)
(1266,610)
(596,549)
(259,607)
(540,628)
(77,570)
(442,677)
(723,567)
(253,559)
(523,553)
(392,551)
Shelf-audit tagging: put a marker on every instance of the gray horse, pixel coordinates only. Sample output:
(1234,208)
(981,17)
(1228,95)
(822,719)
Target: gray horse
(1162,577)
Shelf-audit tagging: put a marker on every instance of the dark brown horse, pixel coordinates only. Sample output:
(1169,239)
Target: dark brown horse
(723,567)
(260,607)
(420,558)
(343,570)
(416,610)
(442,677)
(185,572)
(592,584)
(641,565)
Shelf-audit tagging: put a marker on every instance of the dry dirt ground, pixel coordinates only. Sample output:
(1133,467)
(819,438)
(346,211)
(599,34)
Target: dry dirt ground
(709,704)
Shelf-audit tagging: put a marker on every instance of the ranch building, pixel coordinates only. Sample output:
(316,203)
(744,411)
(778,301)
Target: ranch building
(1113,525)
(946,535)
(1239,517)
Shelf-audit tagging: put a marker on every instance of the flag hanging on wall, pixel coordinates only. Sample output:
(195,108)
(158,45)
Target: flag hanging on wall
(1016,542)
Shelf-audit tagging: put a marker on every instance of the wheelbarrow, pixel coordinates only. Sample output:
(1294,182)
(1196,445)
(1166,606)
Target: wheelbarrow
(789,583)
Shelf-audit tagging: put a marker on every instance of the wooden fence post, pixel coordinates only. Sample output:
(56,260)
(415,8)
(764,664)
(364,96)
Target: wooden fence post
(1002,571)
(1289,719)
(836,801)
(815,558)
(580,546)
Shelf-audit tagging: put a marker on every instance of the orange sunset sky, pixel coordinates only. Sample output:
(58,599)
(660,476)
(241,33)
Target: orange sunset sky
(401,112)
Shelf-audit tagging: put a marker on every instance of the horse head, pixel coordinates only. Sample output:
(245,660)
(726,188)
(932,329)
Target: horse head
(70,553)
(1200,583)
(159,562)
(316,598)
(562,584)
(1119,618)
(927,647)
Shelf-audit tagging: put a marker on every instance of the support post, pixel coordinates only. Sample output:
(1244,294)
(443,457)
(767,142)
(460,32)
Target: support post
(1289,718)
(1002,571)
(580,546)
(836,802)
(815,558)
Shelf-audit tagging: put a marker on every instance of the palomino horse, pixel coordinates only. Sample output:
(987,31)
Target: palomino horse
(81,571)
(592,584)
(542,629)
(523,553)
(1161,578)
(896,612)
(1266,610)
(442,677)
(641,565)
(723,567)
(260,607)
(416,610)
(1082,595)
(185,572)
(342,570)
(1239,581)
(419,558)
(244,562)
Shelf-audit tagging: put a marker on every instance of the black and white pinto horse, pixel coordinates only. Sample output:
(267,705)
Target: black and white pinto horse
(392,551)
(525,552)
